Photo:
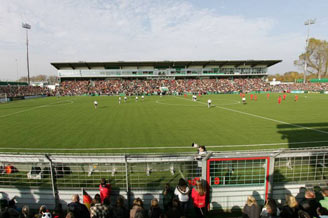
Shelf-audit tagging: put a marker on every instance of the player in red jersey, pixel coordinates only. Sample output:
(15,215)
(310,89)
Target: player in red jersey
(255,97)
(279,99)
(251,96)
(296,97)
(268,96)
(284,97)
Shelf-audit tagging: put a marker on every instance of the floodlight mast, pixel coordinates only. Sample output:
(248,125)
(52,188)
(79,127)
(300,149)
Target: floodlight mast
(27,27)
(307,23)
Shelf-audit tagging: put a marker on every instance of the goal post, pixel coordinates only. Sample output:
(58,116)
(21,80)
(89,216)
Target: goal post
(231,179)
(3,98)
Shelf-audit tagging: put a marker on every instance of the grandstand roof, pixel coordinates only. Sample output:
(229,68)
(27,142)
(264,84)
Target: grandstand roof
(167,64)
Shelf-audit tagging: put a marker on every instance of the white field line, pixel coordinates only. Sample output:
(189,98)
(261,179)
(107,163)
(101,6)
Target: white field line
(261,117)
(166,148)
(185,105)
(37,107)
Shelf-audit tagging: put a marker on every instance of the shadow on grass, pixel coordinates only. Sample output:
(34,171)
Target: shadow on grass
(304,134)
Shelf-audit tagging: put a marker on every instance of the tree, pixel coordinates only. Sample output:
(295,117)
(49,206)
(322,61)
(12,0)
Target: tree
(40,78)
(316,57)
(290,76)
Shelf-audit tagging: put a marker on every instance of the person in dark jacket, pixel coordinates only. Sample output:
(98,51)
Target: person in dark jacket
(168,195)
(309,204)
(79,210)
(175,210)
(290,210)
(154,210)
(270,209)
(12,211)
(120,211)
(25,213)
(4,208)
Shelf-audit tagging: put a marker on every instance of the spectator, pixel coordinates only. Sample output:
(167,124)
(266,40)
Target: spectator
(70,215)
(322,212)
(137,207)
(175,210)
(290,210)
(154,210)
(324,202)
(25,213)
(310,204)
(42,209)
(168,195)
(303,214)
(98,210)
(251,209)
(120,211)
(79,210)
(104,189)
(182,191)
(12,211)
(4,208)
(270,209)
(198,195)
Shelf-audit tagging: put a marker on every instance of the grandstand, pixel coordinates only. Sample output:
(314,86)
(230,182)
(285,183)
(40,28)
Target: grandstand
(163,69)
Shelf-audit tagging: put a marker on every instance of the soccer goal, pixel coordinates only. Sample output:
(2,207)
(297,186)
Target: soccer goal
(3,98)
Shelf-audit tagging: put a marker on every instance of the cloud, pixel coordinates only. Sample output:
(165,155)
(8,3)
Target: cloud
(115,30)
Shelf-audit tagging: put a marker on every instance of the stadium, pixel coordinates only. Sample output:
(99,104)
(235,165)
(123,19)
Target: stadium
(148,141)
(163,109)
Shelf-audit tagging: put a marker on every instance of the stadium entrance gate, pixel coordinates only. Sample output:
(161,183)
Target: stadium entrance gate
(230,179)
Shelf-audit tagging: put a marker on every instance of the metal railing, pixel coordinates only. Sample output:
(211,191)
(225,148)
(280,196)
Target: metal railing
(243,171)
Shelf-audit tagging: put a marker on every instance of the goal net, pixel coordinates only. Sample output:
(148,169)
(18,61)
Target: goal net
(3,98)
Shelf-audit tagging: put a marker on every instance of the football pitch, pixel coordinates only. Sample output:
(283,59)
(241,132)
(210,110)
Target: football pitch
(162,124)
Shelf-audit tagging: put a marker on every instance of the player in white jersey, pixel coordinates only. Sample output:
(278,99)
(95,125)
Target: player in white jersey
(194,97)
(209,102)
(137,98)
(125,98)
(161,94)
(142,98)
(96,104)
(244,100)
(119,100)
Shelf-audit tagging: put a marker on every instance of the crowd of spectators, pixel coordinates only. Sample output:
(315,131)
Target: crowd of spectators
(153,86)
(18,91)
(180,86)
(310,205)
(183,201)
(176,202)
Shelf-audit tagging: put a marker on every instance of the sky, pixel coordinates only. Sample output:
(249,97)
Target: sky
(155,30)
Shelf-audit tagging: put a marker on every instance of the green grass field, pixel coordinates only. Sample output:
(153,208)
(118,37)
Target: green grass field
(162,124)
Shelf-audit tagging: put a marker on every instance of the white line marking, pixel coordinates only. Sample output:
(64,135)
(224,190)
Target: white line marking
(265,118)
(185,105)
(37,107)
(160,102)
(175,147)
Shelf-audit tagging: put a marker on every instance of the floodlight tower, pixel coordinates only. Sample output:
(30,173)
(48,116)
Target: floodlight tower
(307,23)
(27,27)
